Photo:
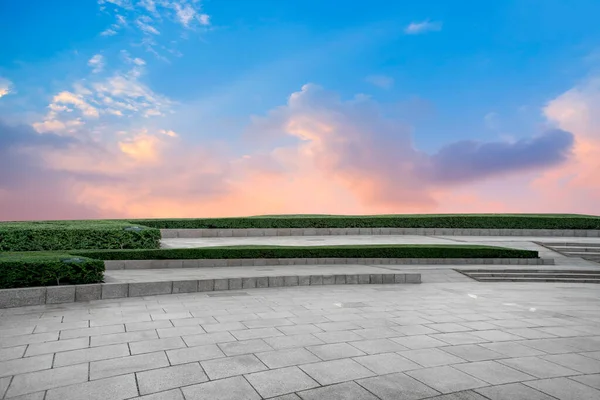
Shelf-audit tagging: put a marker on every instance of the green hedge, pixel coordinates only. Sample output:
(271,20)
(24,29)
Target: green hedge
(31,270)
(455,221)
(67,235)
(370,251)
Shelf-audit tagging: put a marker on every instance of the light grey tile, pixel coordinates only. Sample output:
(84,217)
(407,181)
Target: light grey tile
(258,333)
(225,326)
(299,329)
(96,331)
(91,354)
(340,391)
(287,357)
(127,365)
(286,342)
(197,353)
(150,346)
(538,367)
(376,346)
(236,388)
(563,388)
(387,363)
(174,394)
(117,388)
(446,379)
(149,325)
(473,352)
(493,372)
(10,353)
(337,336)
(397,387)
(48,379)
(576,362)
(231,366)
(513,391)
(24,365)
(419,342)
(58,346)
(334,351)
(208,338)
(329,372)
(244,347)
(458,338)
(590,380)
(158,380)
(126,337)
(281,381)
(431,357)
(411,330)
(512,349)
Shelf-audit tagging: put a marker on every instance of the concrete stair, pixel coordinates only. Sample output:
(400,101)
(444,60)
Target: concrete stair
(533,275)
(587,251)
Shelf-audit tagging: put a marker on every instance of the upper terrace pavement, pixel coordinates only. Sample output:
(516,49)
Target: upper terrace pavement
(515,242)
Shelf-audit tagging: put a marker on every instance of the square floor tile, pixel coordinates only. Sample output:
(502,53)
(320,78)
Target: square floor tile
(231,366)
(431,357)
(513,391)
(538,367)
(418,342)
(493,372)
(387,363)
(236,388)
(287,357)
(565,389)
(397,387)
(328,372)
(446,379)
(277,382)
(334,351)
(340,391)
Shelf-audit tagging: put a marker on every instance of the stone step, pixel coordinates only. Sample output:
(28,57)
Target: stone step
(545,279)
(571,244)
(254,262)
(531,275)
(163,286)
(573,249)
(549,275)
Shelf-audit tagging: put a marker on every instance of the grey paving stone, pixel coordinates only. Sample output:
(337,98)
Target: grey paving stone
(473,352)
(576,362)
(334,351)
(262,282)
(513,391)
(290,281)
(150,288)
(92,354)
(48,379)
(458,338)
(397,387)
(512,349)
(563,388)
(24,365)
(418,342)
(387,363)
(413,278)
(496,335)
(88,292)
(10,353)
(291,396)
(304,280)
(192,354)
(206,285)
(231,366)
(4,382)
(285,342)
(179,331)
(431,357)
(336,371)
(337,336)
(286,357)
(258,333)
(538,367)
(446,379)
(590,380)
(552,346)
(208,338)
(376,333)
(328,280)
(150,346)
(115,338)
(235,283)
(340,391)
(337,326)
(115,290)
(493,372)
(267,322)
(190,286)
(223,327)
(448,327)
(127,365)
(86,332)
(60,294)
(22,297)
(412,330)
(376,279)
(462,395)
(146,326)
(376,346)
(174,394)
(299,329)
(244,347)
(115,388)
(236,388)
(221,284)
(280,381)
(162,379)
(248,283)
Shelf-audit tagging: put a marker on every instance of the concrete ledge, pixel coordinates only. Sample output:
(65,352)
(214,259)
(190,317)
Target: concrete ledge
(256,262)
(201,233)
(80,293)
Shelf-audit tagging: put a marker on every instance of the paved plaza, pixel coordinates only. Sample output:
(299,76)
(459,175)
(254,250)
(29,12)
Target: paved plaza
(452,340)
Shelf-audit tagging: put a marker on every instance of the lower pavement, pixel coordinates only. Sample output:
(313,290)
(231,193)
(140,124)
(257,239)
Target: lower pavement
(444,341)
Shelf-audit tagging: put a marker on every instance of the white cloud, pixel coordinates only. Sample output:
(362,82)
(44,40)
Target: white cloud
(97,63)
(168,133)
(382,81)
(5,87)
(144,24)
(415,28)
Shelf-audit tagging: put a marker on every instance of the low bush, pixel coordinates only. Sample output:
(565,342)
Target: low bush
(453,221)
(369,251)
(67,235)
(30,270)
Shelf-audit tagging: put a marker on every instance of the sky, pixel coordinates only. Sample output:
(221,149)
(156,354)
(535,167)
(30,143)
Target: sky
(214,108)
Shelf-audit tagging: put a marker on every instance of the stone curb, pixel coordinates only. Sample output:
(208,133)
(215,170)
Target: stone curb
(68,294)
(202,233)
(259,262)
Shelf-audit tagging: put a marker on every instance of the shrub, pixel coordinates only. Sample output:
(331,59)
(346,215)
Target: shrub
(67,235)
(370,251)
(454,221)
(30,270)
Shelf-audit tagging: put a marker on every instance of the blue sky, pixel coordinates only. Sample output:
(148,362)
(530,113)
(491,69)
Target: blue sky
(450,71)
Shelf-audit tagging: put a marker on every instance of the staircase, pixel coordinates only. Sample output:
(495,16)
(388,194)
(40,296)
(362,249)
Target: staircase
(587,251)
(533,275)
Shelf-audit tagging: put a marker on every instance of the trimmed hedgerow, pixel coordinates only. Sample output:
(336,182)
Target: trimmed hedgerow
(363,251)
(453,221)
(67,235)
(30,270)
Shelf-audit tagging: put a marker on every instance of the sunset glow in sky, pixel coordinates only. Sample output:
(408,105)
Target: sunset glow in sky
(190,108)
